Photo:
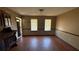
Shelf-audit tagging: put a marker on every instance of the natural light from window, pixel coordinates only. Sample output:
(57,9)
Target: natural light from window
(34,25)
(47,25)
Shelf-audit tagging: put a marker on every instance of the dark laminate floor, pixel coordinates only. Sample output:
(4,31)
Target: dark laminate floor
(41,43)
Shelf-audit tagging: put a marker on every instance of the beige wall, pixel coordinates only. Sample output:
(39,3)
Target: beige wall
(13,17)
(69,22)
(27,26)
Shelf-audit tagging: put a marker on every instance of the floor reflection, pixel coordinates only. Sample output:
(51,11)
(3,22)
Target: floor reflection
(46,42)
(33,42)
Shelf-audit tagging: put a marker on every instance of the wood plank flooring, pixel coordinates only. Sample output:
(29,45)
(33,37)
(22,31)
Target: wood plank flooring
(42,43)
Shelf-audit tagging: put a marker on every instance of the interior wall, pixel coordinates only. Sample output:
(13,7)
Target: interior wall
(27,27)
(67,27)
(13,17)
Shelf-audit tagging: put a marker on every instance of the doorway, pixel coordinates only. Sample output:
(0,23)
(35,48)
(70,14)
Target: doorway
(19,27)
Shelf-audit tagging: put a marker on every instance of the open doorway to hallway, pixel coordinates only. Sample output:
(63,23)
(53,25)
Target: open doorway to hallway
(19,27)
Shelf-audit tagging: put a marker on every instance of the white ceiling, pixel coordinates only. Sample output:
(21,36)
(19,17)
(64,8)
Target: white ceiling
(48,11)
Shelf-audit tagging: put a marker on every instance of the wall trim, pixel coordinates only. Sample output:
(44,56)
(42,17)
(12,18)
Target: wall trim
(76,49)
(68,43)
(68,32)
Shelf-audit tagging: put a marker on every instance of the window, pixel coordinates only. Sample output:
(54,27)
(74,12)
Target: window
(34,24)
(7,22)
(47,25)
